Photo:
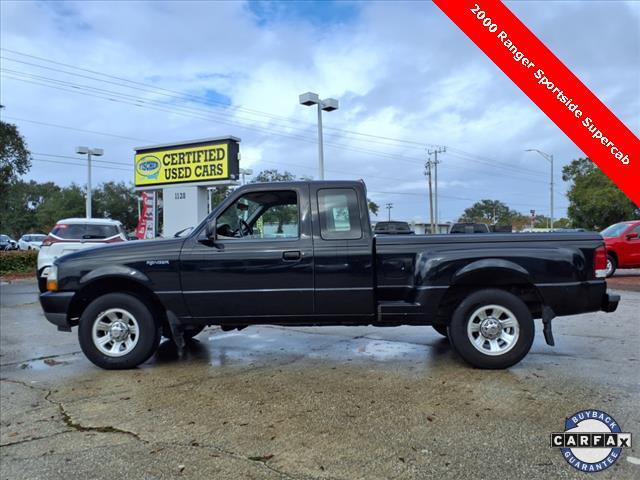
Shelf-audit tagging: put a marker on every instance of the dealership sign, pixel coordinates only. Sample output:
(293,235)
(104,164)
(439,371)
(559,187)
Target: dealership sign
(198,162)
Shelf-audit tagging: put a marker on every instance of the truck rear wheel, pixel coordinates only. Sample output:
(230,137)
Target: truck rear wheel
(117,331)
(492,329)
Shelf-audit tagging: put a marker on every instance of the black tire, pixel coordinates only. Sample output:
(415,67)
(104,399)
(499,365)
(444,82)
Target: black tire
(614,265)
(462,316)
(148,331)
(441,329)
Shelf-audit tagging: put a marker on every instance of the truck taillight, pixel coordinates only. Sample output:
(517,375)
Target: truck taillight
(600,262)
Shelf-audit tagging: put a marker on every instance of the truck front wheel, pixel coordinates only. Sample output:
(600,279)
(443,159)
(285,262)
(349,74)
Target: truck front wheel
(117,331)
(492,329)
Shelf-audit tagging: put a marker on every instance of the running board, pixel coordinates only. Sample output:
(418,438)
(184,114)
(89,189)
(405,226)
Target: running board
(398,311)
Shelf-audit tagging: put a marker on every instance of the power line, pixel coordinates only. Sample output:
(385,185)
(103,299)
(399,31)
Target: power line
(290,136)
(192,97)
(208,101)
(79,164)
(184,111)
(79,158)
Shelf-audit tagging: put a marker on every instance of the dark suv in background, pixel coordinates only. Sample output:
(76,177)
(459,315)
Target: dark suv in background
(393,228)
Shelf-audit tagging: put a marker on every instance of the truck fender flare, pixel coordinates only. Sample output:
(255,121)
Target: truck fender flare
(486,264)
(111,271)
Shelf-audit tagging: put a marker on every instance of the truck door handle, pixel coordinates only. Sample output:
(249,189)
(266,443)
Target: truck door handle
(291,256)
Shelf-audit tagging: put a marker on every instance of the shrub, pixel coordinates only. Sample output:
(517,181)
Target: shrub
(18,261)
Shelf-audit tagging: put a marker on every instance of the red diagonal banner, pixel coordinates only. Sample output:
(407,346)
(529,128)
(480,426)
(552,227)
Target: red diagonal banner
(551,85)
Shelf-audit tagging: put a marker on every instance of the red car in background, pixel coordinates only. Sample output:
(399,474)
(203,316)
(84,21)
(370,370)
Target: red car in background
(623,245)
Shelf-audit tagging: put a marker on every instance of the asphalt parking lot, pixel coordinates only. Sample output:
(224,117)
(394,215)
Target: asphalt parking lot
(303,403)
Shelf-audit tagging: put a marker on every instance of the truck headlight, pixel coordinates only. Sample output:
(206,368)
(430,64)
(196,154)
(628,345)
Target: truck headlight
(52,279)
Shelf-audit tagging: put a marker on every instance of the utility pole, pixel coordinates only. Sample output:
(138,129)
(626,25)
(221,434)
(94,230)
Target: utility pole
(435,153)
(389,206)
(549,158)
(428,174)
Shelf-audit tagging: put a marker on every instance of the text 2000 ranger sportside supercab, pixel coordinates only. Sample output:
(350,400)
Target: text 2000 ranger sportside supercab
(302,253)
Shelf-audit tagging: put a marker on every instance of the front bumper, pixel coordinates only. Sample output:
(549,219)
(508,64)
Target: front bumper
(55,306)
(610,302)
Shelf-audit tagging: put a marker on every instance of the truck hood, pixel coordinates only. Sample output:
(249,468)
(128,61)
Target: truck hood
(123,253)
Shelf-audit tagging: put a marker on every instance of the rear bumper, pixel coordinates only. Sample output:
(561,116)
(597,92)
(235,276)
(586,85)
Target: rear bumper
(578,297)
(55,306)
(610,302)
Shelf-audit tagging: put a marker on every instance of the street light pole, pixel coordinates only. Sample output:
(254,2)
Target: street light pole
(243,172)
(320,142)
(89,152)
(328,105)
(549,158)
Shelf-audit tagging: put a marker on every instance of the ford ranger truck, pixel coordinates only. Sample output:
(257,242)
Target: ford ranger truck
(303,254)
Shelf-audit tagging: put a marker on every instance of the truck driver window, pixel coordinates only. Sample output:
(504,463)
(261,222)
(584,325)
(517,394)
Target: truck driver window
(339,214)
(261,215)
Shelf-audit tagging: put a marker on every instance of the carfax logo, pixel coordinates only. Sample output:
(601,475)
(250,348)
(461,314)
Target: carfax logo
(149,167)
(592,440)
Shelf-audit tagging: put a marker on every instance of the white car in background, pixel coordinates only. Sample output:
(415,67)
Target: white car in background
(31,241)
(73,234)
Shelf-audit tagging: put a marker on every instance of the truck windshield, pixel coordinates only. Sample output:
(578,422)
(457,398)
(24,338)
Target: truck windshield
(614,230)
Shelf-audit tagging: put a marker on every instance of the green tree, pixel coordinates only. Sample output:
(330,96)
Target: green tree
(273,175)
(67,202)
(281,214)
(18,207)
(374,208)
(595,202)
(15,159)
(490,212)
(116,200)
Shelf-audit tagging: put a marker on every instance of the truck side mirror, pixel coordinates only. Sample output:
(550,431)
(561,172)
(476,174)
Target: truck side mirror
(211,230)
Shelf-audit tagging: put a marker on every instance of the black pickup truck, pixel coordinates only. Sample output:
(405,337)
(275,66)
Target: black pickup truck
(302,253)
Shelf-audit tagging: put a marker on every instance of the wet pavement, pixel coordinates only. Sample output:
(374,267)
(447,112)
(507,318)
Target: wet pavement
(304,403)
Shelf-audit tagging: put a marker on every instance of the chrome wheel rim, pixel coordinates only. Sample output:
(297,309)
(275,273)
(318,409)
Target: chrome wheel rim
(609,267)
(115,332)
(493,330)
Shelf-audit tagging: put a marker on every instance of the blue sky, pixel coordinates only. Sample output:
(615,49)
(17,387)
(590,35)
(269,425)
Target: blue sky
(320,13)
(406,77)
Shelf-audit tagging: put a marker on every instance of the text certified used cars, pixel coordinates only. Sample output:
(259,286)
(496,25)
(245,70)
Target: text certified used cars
(73,234)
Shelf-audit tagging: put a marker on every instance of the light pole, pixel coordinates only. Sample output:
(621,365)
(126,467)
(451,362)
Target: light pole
(243,172)
(328,105)
(549,158)
(389,206)
(98,152)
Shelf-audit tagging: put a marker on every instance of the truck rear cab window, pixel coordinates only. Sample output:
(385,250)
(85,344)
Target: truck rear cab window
(339,214)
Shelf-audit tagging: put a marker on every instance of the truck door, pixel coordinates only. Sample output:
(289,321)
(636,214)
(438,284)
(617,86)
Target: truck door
(261,263)
(343,253)
(631,246)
